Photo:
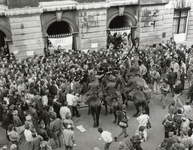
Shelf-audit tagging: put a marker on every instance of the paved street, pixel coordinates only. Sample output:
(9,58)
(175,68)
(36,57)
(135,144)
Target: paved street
(90,139)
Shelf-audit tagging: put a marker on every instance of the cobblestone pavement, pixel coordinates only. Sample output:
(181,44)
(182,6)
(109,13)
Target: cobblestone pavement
(91,138)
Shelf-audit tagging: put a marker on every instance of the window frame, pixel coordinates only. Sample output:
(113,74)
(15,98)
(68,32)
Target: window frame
(180,10)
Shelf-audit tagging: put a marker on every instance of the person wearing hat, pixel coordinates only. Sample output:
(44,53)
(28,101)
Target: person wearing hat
(110,89)
(69,137)
(123,124)
(93,88)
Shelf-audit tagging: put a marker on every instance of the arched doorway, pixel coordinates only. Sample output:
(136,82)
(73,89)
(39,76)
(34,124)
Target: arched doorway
(120,28)
(2,39)
(120,22)
(117,23)
(60,37)
(4,49)
(59,28)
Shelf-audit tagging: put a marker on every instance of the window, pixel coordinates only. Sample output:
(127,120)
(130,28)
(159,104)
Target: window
(180,19)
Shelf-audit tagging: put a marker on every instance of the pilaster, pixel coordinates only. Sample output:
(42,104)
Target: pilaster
(26,31)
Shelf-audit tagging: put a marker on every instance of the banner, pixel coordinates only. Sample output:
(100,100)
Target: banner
(120,30)
(64,42)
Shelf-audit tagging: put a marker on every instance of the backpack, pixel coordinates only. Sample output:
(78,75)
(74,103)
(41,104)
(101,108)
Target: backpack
(125,119)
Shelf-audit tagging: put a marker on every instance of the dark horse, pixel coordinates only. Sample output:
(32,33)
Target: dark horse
(139,100)
(139,93)
(117,106)
(95,108)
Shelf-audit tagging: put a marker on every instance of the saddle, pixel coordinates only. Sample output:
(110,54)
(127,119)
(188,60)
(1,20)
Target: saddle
(131,93)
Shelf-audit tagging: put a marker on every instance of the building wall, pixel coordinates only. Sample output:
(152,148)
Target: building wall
(26,28)
(168,23)
(5,27)
(92,28)
(151,24)
(26,35)
(169,17)
(190,24)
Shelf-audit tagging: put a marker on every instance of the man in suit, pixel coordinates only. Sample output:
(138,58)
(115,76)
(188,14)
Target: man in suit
(171,79)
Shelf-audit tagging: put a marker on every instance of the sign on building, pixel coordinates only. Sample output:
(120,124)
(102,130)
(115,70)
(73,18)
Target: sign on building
(64,43)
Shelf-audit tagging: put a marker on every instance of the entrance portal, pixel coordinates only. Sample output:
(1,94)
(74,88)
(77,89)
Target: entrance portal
(59,37)
(120,22)
(2,39)
(120,28)
(58,28)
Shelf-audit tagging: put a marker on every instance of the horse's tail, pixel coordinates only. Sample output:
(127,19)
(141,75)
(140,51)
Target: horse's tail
(147,108)
(96,108)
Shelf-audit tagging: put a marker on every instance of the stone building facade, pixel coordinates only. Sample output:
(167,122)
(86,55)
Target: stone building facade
(24,24)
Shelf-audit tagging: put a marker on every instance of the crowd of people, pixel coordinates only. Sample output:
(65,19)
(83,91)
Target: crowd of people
(39,96)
